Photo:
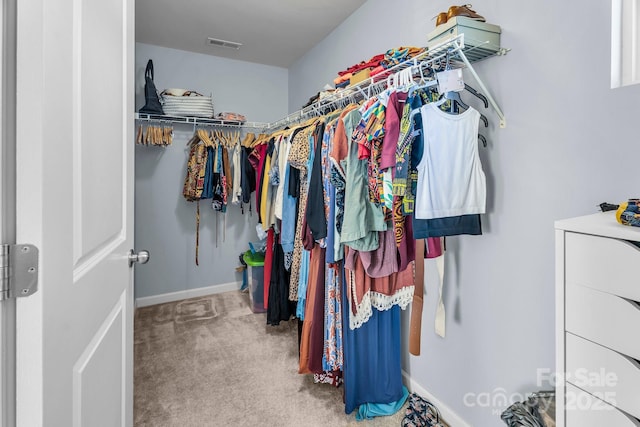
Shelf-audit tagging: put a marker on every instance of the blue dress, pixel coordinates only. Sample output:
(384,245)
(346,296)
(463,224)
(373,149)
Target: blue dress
(372,363)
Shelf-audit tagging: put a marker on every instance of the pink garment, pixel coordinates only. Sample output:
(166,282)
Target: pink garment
(396,288)
(407,246)
(395,107)
(434,247)
(261,153)
(379,263)
(268,261)
(381,76)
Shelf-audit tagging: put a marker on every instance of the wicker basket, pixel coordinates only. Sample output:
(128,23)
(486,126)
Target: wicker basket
(191,104)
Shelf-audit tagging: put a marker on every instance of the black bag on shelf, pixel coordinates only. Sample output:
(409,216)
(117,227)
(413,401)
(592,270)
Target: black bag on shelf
(152,101)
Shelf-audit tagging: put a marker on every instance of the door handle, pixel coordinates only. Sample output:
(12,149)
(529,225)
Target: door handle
(141,257)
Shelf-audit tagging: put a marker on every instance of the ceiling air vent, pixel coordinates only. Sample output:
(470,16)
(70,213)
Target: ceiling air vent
(223,43)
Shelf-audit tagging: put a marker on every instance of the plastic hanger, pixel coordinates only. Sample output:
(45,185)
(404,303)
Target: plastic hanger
(478,95)
(405,78)
(455,97)
(422,83)
(439,102)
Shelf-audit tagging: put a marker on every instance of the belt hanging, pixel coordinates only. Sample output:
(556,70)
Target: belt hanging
(440,314)
(197,229)
(416,306)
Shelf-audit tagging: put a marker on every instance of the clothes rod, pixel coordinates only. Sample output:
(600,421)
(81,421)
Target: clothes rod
(436,53)
(454,48)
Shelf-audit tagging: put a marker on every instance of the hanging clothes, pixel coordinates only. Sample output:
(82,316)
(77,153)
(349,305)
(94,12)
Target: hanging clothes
(312,336)
(247,176)
(333,350)
(375,281)
(344,198)
(279,307)
(298,159)
(372,361)
(227,177)
(451,151)
(283,168)
(338,153)
(316,214)
(236,188)
(268,266)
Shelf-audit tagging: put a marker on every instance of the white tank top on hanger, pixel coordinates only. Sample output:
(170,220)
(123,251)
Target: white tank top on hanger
(451,181)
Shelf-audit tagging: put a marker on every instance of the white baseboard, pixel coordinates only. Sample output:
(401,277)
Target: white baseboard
(187,293)
(449,416)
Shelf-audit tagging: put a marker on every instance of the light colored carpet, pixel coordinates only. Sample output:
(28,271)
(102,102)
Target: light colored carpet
(210,361)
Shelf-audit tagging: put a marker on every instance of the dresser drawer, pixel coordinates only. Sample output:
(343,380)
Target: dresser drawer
(604,373)
(607,319)
(584,410)
(603,263)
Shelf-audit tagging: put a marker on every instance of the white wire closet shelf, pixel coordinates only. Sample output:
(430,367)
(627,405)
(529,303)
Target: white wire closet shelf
(203,121)
(459,54)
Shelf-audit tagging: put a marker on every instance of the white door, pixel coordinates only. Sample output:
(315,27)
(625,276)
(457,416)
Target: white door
(75,68)
(7,205)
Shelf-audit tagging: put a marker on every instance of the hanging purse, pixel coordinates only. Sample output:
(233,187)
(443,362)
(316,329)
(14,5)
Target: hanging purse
(152,101)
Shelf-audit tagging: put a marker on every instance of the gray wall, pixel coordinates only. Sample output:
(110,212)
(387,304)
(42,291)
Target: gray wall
(571,142)
(165,222)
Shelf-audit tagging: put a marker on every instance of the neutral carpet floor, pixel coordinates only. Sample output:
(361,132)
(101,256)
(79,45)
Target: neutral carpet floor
(210,361)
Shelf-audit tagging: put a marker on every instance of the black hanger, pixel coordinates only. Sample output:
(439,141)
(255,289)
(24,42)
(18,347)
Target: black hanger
(484,120)
(483,139)
(455,96)
(477,94)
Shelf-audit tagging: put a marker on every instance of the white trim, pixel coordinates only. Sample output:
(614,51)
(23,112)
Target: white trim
(448,414)
(616,43)
(7,205)
(187,293)
(560,327)
(30,118)
(625,62)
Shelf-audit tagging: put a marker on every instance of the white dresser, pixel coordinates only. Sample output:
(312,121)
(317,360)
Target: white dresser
(597,322)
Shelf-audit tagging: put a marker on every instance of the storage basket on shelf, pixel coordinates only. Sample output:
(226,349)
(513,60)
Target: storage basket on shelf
(480,38)
(179,102)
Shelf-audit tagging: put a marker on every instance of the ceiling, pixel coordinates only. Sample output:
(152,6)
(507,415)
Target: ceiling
(276,32)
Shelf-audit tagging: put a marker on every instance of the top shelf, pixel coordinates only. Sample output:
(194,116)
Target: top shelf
(477,51)
(461,54)
(200,121)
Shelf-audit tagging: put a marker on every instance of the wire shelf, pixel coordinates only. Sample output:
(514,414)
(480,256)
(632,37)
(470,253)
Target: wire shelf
(454,49)
(200,121)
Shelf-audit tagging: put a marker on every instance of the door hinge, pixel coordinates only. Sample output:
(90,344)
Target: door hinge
(18,271)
